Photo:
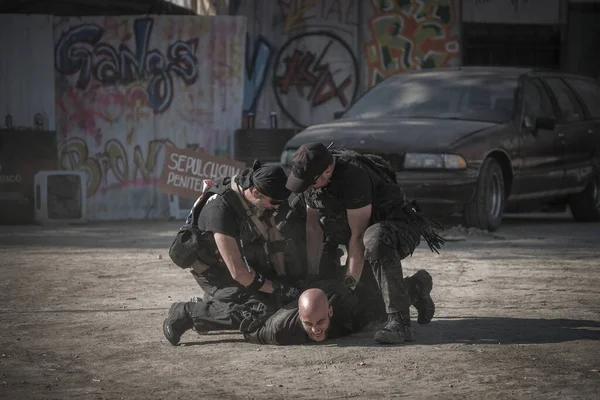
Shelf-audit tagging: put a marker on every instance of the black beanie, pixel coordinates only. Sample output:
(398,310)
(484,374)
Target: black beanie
(270,181)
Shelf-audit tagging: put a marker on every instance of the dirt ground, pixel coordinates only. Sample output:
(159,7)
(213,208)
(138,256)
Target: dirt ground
(518,316)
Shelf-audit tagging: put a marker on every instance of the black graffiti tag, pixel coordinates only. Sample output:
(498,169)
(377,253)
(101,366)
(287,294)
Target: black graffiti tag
(79,50)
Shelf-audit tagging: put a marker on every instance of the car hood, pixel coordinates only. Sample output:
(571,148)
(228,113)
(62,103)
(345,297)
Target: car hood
(393,134)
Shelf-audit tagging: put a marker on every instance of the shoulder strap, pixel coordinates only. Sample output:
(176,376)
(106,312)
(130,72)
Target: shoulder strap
(207,192)
(376,163)
(257,225)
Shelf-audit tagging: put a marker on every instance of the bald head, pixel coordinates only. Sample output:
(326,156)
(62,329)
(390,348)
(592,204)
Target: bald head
(315,312)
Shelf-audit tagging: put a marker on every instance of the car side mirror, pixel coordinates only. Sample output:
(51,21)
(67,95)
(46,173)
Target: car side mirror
(532,124)
(338,114)
(545,123)
(529,123)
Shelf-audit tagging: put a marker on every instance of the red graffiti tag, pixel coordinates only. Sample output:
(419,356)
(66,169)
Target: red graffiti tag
(302,71)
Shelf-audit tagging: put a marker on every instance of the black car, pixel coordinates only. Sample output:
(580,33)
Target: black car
(479,140)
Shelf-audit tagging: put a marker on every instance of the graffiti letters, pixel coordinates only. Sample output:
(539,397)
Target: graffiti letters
(80,50)
(327,71)
(258,62)
(111,168)
(332,14)
(413,34)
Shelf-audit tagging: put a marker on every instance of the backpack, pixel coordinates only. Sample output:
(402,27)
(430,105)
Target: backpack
(191,241)
(192,244)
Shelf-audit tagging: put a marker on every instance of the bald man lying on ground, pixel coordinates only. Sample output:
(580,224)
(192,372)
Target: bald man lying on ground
(330,310)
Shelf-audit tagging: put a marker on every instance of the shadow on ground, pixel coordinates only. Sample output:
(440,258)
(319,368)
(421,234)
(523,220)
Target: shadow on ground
(473,330)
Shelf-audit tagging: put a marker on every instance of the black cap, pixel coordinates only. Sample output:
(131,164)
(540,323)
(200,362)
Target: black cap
(270,181)
(309,162)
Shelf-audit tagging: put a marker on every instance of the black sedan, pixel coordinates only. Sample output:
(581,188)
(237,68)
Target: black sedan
(479,140)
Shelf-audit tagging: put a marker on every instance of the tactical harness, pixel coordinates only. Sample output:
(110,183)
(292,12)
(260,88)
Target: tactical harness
(196,249)
(412,212)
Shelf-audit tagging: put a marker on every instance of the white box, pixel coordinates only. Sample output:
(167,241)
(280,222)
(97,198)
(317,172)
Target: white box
(60,196)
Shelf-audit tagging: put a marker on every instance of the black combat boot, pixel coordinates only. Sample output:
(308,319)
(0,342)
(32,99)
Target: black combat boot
(396,331)
(177,322)
(421,296)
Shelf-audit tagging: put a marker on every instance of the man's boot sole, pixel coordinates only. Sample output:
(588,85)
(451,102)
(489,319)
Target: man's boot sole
(425,305)
(171,336)
(426,308)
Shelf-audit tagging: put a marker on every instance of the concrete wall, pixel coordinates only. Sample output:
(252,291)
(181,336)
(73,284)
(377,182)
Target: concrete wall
(126,87)
(26,73)
(306,59)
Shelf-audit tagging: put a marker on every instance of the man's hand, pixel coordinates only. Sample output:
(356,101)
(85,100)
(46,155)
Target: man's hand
(252,323)
(284,293)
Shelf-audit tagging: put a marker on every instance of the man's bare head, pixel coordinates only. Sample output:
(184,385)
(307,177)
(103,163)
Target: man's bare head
(315,313)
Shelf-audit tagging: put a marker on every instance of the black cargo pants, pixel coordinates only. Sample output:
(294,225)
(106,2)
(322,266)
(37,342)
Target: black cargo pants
(228,302)
(387,243)
(227,308)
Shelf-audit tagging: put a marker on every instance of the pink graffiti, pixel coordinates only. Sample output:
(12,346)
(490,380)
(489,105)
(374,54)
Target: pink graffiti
(75,112)
(110,102)
(136,102)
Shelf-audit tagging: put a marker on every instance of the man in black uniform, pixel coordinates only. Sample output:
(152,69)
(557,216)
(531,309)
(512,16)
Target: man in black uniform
(237,255)
(354,200)
(329,309)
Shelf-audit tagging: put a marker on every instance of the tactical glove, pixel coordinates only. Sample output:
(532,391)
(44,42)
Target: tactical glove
(284,294)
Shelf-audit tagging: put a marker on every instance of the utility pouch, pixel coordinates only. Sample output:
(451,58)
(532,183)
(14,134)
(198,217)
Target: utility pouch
(184,249)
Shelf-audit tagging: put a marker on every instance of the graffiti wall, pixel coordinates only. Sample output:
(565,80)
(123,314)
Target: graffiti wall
(306,59)
(301,59)
(127,87)
(410,34)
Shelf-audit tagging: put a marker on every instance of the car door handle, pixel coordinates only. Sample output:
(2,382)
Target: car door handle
(561,135)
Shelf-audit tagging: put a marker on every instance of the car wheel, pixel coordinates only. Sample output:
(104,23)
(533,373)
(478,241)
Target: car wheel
(484,211)
(585,206)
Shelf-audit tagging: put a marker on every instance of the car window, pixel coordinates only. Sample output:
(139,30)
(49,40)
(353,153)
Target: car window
(536,102)
(590,94)
(570,111)
(469,96)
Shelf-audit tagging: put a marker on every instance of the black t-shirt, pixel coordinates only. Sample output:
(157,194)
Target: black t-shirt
(349,184)
(354,185)
(285,328)
(218,217)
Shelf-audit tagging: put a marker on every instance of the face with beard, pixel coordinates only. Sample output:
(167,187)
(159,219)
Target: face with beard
(315,313)
(262,205)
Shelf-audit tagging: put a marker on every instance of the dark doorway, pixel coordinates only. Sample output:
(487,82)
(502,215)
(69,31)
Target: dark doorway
(583,40)
(514,45)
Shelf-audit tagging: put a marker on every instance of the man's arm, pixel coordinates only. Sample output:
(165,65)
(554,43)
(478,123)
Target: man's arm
(314,240)
(358,220)
(281,328)
(278,258)
(230,251)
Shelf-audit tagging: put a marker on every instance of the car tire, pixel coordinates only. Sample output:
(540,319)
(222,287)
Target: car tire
(485,210)
(585,206)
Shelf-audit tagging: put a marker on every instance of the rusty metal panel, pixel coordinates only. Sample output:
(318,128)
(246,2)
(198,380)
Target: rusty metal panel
(27,71)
